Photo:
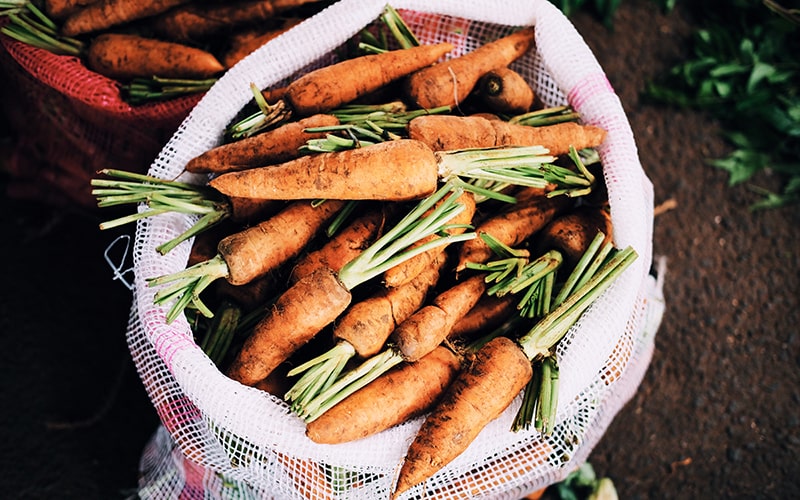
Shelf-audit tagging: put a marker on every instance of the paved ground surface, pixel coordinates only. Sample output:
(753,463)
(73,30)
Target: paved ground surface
(716,415)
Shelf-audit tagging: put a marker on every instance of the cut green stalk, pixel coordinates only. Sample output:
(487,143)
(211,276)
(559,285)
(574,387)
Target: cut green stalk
(142,90)
(220,333)
(266,117)
(30,25)
(546,116)
(160,196)
(397,27)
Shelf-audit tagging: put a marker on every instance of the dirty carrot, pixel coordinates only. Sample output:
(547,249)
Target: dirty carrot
(104,14)
(476,397)
(273,146)
(488,313)
(243,43)
(125,56)
(331,86)
(246,255)
(60,9)
(505,91)
(572,232)
(395,170)
(451,81)
(310,308)
(343,247)
(512,225)
(452,132)
(397,396)
(198,21)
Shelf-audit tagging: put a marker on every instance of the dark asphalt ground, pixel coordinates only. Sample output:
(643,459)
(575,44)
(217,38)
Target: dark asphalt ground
(716,415)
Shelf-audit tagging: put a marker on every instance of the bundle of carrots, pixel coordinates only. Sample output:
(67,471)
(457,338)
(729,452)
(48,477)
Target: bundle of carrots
(444,215)
(156,49)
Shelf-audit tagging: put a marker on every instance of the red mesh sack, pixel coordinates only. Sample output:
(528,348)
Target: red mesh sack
(67,122)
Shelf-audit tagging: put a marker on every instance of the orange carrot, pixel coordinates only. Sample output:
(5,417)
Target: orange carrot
(270,344)
(513,225)
(104,14)
(394,170)
(199,21)
(369,323)
(331,86)
(259,249)
(451,132)
(427,328)
(571,233)
(397,396)
(505,91)
(273,146)
(488,313)
(123,57)
(343,247)
(450,82)
(406,271)
(477,396)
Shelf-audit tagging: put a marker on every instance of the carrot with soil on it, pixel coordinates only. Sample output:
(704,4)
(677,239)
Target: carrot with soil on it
(60,9)
(243,43)
(362,331)
(196,22)
(503,90)
(502,367)
(343,247)
(452,132)
(450,82)
(246,255)
(296,319)
(125,56)
(271,147)
(572,233)
(104,14)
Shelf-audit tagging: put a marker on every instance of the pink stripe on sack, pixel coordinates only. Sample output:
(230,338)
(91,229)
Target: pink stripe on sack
(167,340)
(175,414)
(592,85)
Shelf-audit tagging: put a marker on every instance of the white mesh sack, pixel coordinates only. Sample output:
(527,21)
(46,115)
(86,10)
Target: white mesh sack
(221,439)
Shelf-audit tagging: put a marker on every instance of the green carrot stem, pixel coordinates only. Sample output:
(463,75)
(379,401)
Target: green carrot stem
(547,332)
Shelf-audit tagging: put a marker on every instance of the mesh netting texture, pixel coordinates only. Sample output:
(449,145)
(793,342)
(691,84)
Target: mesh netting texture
(69,122)
(221,439)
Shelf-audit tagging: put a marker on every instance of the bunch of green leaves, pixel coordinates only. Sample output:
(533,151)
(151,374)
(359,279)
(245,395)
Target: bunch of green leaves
(744,72)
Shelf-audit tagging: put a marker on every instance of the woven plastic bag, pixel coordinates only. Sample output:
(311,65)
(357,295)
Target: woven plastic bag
(220,439)
(69,122)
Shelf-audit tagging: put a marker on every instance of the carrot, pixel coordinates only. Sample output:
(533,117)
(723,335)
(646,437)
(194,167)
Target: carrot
(242,43)
(513,225)
(60,9)
(249,254)
(450,82)
(488,313)
(273,146)
(259,249)
(305,308)
(395,170)
(199,21)
(571,233)
(104,14)
(343,247)
(406,271)
(270,344)
(397,396)
(451,132)
(431,325)
(505,91)
(123,57)
(331,86)
(477,396)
